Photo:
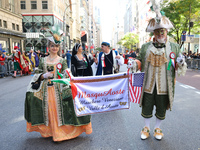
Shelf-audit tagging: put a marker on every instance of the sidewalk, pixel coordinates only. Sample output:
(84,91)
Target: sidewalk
(192,78)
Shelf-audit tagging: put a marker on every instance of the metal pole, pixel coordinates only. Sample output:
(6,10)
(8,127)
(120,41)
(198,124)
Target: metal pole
(64,26)
(189,31)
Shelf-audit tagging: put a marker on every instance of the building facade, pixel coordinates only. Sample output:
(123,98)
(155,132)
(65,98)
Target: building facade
(38,16)
(10,26)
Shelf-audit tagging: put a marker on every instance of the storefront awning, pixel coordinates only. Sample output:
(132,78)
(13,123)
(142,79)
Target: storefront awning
(12,33)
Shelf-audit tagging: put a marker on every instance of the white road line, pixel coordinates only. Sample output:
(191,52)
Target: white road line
(187,86)
(198,92)
(184,86)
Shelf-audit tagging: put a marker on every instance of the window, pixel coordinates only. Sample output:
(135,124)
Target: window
(44,4)
(33,4)
(0,23)
(13,26)
(23,4)
(5,24)
(17,26)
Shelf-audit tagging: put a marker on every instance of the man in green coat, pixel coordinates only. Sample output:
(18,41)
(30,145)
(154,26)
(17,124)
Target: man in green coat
(159,62)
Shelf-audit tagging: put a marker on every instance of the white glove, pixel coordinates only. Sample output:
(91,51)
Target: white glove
(47,75)
(180,59)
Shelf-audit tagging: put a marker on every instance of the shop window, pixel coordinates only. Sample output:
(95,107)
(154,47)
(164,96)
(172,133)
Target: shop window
(5,24)
(23,4)
(13,26)
(44,4)
(17,26)
(33,4)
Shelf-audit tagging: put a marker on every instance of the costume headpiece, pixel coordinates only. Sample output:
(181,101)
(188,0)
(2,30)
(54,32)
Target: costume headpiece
(105,44)
(56,34)
(75,48)
(160,21)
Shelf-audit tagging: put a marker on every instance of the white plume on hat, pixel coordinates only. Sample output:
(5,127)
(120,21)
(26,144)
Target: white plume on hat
(159,21)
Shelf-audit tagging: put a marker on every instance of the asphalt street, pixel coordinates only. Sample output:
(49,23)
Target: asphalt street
(116,130)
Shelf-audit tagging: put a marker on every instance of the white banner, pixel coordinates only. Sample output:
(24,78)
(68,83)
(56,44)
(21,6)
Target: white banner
(98,94)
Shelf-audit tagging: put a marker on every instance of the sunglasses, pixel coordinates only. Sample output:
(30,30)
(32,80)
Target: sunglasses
(160,31)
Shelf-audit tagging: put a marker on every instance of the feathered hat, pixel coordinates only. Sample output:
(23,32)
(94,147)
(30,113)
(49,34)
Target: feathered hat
(160,21)
(56,33)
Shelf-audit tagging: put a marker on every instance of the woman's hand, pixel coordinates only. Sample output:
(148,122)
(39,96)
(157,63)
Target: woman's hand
(95,60)
(47,75)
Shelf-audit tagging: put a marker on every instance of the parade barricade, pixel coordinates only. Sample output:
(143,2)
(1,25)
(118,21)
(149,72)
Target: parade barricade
(193,63)
(7,68)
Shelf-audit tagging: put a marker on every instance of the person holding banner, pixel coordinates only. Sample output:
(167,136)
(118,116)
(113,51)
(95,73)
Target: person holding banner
(80,65)
(49,107)
(108,60)
(159,62)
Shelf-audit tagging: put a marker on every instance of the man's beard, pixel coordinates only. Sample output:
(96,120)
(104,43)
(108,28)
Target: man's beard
(161,40)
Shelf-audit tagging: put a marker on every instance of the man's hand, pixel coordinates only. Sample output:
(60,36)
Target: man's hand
(117,57)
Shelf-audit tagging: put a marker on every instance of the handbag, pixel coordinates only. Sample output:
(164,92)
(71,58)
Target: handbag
(36,84)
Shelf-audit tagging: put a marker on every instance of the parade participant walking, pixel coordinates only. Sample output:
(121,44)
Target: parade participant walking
(33,58)
(108,60)
(49,106)
(80,65)
(158,60)
(18,60)
(27,70)
(68,57)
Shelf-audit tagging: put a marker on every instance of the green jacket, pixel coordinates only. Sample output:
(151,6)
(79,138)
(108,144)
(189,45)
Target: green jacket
(171,74)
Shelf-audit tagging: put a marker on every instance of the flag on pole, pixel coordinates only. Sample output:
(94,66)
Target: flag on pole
(135,86)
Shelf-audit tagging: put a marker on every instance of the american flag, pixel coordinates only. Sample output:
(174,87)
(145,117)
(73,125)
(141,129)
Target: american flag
(135,86)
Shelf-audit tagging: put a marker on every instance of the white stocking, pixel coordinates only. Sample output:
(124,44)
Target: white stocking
(158,122)
(147,122)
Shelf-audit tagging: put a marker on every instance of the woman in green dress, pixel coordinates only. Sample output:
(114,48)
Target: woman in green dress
(49,107)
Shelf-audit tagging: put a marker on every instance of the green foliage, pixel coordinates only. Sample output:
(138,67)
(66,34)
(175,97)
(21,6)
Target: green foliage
(129,40)
(178,11)
(98,48)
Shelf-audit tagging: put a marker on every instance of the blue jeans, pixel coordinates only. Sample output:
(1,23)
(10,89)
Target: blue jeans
(68,63)
(2,70)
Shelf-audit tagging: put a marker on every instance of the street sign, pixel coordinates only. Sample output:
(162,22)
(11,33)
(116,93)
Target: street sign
(32,35)
(183,38)
(184,32)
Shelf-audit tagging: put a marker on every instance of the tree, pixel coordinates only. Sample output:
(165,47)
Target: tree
(129,40)
(178,11)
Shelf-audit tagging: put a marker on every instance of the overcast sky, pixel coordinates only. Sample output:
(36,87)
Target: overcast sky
(107,12)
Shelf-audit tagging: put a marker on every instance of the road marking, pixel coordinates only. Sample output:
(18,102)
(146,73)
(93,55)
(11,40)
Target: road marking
(198,92)
(17,119)
(187,86)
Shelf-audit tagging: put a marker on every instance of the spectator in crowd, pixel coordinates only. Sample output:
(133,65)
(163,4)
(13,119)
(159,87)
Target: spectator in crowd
(97,54)
(63,54)
(133,54)
(93,54)
(68,57)
(2,65)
